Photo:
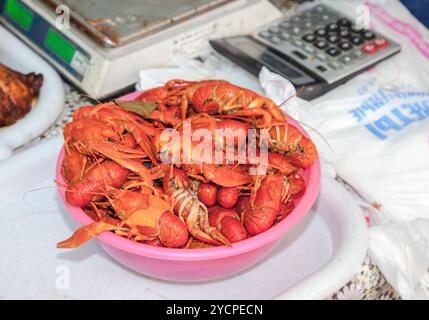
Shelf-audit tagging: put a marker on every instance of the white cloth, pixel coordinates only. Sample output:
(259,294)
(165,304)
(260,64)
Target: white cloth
(213,67)
(34,219)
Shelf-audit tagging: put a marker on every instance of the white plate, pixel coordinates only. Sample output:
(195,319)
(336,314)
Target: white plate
(346,231)
(315,259)
(16,55)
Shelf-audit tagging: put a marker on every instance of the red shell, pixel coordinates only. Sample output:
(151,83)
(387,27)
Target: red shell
(227,197)
(297,185)
(261,216)
(259,220)
(242,203)
(217,213)
(173,232)
(130,141)
(154,243)
(228,223)
(95,181)
(232,229)
(207,194)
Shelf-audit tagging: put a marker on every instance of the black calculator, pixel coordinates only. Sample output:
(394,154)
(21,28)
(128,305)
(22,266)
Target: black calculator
(316,50)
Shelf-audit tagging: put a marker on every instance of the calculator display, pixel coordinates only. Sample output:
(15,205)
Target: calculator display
(266,56)
(255,54)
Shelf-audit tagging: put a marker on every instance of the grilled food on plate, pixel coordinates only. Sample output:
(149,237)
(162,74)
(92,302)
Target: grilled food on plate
(17,94)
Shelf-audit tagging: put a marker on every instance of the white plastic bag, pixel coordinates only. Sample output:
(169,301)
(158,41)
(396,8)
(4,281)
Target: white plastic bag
(377,129)
(401,250)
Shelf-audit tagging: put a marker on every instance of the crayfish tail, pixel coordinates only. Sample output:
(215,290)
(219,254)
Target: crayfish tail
(173,232)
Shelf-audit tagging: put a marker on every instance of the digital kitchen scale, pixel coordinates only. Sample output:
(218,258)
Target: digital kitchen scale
(109,41)
(317,49)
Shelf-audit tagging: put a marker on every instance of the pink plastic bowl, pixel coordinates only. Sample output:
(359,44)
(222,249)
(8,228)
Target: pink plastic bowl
(191,265)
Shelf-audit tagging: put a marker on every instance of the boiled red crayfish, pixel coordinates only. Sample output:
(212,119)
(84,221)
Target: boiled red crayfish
(228,222)
(219,97)
(114,167)
(142,216)
(190,209)
(271,201)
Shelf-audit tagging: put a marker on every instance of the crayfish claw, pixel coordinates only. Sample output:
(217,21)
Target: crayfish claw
(213,236)
(218,236)
(85,233)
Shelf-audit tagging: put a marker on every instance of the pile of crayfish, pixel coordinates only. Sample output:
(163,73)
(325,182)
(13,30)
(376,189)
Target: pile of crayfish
(114,170)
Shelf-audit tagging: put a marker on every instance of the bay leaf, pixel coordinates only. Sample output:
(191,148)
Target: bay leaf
(142,108)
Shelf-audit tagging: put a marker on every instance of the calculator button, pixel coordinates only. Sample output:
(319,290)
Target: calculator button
(332,27)
(309,37)
(333,51)
(368,35)
(265,34)
(299,55)
(274,39)
(296,30)
(321,68)
(346,59)
(326,17)
(381,43)
(274,29)
(284,24)
(321,44)
(355,28)
(343,22)
(296,19)
(321,56)
(333,39)
(356,40)
(307,24)
(284,35)
(344,33)
(358,54)
(309,49)
(319,9)
(369,48)
(334,65)
(298,43)
(321,32)
(345,45)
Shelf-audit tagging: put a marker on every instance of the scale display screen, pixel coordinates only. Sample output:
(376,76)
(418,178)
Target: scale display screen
(20,14)
(59,45)
(42,34)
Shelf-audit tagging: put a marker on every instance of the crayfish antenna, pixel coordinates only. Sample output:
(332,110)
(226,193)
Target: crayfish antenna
(184,107)
(292,95)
